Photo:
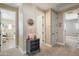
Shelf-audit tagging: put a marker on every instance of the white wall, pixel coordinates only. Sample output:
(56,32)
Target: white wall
(71,28)
(71,20)
(29,11)
(20,29)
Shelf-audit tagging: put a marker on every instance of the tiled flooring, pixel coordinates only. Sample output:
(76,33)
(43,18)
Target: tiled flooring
(58,51)
(70,49)
(45,51)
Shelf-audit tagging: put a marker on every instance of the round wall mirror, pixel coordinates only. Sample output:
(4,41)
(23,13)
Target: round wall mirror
(30,22)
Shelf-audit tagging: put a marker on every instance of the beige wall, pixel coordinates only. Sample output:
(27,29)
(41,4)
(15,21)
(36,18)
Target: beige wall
(60,28)
(48,27)
(50,14)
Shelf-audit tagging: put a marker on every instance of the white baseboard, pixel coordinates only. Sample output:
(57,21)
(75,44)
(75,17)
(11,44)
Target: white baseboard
(23,52)
(48,45)
(59,43)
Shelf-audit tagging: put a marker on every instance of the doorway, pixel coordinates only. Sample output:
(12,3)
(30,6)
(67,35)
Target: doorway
(7,29)
(71,29)
(39,28)
(54,28)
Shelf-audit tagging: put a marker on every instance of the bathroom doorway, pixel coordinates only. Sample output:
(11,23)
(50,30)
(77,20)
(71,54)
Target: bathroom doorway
(71,28)
(7,29)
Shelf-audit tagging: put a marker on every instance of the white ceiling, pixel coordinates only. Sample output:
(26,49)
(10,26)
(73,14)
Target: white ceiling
(44,6)
(16,5)
(55,6)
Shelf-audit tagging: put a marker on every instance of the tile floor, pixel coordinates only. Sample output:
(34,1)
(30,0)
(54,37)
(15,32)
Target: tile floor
(68,50)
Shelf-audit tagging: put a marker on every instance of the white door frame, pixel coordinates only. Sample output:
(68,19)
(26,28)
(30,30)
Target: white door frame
(64,35)
(3,6)
(0,31)
(54,33)
(38,28)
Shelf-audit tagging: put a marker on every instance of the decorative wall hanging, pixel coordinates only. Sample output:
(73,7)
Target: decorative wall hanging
(30,22)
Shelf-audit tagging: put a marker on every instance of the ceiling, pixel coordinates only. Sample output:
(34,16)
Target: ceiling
(45,6)
(16,5)
(56,6)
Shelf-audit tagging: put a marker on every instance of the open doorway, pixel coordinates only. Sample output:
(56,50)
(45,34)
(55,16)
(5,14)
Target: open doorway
(7,29)
(39,29)
(71,28)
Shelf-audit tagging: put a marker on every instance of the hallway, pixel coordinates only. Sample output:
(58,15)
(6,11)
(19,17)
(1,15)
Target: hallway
(32,22)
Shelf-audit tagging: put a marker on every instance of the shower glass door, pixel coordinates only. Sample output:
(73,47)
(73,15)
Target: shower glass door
(7,29)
